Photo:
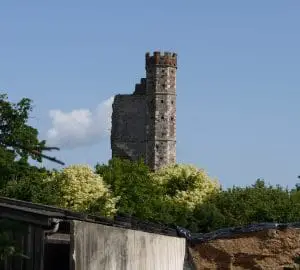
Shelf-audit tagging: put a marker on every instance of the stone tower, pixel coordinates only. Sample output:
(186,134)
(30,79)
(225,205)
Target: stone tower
(161,109)
(144,123)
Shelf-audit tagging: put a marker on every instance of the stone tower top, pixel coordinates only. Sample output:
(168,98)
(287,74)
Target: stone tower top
(166,59)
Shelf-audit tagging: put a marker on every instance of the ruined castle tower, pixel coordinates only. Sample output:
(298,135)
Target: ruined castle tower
(161,109)
(144,123)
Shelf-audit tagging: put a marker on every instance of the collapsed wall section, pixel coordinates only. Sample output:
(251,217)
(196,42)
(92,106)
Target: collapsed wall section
(128,126)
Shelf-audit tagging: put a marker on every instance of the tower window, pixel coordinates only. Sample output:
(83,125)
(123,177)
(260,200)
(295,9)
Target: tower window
(172,118)
(161,101)
(162,117)
(172,102)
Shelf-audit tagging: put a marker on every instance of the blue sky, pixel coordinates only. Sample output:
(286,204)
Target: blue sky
(238,77)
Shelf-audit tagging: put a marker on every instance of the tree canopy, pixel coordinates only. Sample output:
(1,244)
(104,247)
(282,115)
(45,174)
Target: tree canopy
(18,140)
(168,195)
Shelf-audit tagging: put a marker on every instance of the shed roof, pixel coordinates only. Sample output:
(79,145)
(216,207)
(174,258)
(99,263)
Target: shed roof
(43,215)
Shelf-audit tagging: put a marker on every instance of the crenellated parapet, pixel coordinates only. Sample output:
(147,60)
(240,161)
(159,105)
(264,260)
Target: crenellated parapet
(166,59)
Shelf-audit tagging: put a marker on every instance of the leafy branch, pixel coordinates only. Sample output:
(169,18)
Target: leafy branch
(37,151)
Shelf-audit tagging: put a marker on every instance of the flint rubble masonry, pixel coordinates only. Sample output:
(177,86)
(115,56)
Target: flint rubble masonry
(144,123)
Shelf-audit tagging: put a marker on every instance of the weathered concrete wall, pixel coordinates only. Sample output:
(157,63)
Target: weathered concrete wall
(99,247)
(128,127)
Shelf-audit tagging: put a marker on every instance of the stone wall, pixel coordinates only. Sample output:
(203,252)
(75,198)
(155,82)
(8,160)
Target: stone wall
(161,113)
(144,123)
(128,134)
(264,246)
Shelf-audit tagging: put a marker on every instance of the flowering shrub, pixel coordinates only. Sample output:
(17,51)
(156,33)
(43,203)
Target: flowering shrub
(185,184)
(78,188)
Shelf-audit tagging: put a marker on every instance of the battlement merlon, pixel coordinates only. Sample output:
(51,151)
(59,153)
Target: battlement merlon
(166,59)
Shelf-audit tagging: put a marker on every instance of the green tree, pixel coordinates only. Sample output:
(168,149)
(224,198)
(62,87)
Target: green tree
(206,217)
(19,142)
(168,195)
(131,182)
(239,206)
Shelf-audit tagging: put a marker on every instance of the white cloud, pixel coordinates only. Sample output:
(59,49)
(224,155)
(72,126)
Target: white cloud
(81,127)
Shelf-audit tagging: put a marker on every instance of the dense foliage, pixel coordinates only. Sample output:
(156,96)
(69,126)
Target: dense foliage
(185,184)
(18,141)
(186,196)
(76,187)
(131,182)
(168,195)
(183,188)
(253,204)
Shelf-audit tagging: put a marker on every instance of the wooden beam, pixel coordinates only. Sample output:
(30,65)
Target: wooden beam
(58,238)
